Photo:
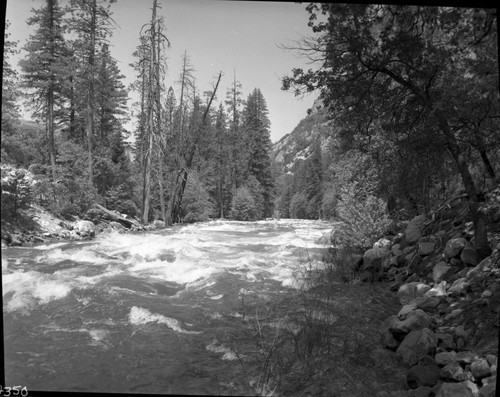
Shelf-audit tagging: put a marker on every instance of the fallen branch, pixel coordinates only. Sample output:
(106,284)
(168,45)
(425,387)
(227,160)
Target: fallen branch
(114,217)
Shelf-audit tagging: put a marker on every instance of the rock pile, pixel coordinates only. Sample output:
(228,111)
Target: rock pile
(446,331)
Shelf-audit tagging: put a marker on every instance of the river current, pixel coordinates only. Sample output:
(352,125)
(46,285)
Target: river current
(148,312)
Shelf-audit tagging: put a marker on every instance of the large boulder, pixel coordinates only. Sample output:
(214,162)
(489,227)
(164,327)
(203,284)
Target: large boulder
(413,231)
(425,249)
(376,259)
(409,291)
(438,290)
(416,345)
(422,375)
(488,391)
(444,358)
(415,319)
(469,255)
(439,271)
(85,227)
(454,247)
(453,372)
(459,287)
(480,368)
(454,390)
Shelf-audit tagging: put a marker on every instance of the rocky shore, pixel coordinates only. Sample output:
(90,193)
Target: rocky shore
(446,331)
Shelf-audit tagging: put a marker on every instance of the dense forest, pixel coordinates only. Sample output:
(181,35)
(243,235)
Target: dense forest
(408,119)
(189,159)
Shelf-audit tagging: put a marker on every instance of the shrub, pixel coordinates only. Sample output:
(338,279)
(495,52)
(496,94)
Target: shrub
(196,203)
(364,219)
(243,207)
(341,265)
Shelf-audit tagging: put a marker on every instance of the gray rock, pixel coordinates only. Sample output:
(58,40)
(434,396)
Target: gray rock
(427,302)
(86,227)
(416,345)
(469,255)
(439,271)
(388,340)
(466,357)
(159,224)
(396,249)
(425,249)
(409,291)
(488,391)
(374,259)
(413,231)
(460,332)
(415,319)
(492,359)
(459,287)
(454,390)
(480,368)
(453,372)
(445,341)
(422,391)
(490,379)
(444,358)
(438,290)
(472,387)
(409,307)
(422,375)
(454,247)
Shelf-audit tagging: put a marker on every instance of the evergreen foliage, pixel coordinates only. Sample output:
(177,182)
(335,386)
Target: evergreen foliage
(243,206)
(395,78)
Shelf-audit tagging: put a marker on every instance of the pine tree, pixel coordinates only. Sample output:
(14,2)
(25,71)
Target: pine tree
(92,22)
(10,91)
(111,96)
(314,181)
(221,159)
(237,154)
(43,67)
(255,126)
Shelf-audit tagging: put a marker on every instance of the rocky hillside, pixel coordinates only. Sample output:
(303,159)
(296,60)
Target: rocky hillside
(446,331)
(297,145)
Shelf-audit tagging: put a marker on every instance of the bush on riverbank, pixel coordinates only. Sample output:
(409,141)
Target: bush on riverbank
(243,207)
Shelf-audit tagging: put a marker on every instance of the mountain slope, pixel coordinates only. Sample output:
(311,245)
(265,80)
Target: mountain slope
(297,145)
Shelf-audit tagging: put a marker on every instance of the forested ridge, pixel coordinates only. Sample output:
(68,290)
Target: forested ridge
(407,119)
(194,154)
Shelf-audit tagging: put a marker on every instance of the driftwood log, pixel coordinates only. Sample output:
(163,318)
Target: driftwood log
(114,217)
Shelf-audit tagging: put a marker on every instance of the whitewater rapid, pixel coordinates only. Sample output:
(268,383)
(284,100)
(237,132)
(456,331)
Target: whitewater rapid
(69,305)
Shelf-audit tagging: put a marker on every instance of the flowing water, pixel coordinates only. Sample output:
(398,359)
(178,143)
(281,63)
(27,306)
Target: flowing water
(145,312)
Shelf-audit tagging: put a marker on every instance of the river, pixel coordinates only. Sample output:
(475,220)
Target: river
(151,312)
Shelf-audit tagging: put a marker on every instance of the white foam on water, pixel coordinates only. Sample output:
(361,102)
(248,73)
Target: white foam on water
(139,315)
(98,335)
(216,347)
(47,246)
(23,290)
(74,255)
(179,271)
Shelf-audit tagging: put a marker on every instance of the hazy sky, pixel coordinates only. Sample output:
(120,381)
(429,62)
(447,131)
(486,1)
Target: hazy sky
(218,35)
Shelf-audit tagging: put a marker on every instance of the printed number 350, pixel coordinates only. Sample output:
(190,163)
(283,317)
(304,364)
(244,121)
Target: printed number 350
(13,391)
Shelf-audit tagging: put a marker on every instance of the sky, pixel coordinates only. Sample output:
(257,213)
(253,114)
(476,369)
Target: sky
(242,37)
